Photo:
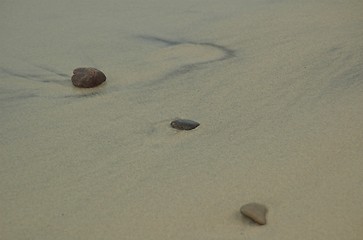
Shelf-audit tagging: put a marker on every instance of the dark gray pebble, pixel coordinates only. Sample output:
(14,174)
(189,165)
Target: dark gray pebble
(255,211)
(184,124)
(87,77)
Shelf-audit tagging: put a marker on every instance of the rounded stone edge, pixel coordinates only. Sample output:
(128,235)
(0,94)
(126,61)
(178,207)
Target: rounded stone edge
(97,77)
(246,208)
(184,124)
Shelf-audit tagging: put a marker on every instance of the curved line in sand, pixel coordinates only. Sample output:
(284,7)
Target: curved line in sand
(185,56)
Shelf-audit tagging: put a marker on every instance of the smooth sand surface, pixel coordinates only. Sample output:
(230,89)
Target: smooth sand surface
(276,85)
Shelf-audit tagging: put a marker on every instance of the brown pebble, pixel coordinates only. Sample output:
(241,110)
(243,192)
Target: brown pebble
(256,212)
(184,124)
(87,77)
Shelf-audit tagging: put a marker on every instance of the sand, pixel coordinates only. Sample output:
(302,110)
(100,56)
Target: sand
(276,86)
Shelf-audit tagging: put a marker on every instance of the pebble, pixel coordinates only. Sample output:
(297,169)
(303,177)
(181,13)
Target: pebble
(256,212)
(87,77)
(184,124)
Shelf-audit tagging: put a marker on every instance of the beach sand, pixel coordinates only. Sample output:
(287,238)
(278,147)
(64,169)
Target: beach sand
(275,85)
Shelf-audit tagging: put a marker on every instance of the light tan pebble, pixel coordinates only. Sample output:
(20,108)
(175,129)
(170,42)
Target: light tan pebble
(256,212)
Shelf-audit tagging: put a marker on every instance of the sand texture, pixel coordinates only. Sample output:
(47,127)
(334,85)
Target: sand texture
(277,87)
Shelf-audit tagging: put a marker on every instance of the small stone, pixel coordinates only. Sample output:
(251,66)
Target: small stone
(184,124)
(87,77)
(256,212)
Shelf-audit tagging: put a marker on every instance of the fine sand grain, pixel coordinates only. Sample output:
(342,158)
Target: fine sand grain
(276,85)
